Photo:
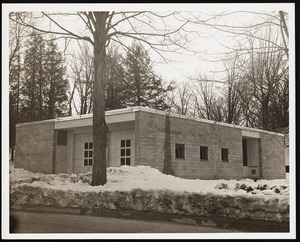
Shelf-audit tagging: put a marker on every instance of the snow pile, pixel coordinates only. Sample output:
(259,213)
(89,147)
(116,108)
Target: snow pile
(147,189)
(127,178)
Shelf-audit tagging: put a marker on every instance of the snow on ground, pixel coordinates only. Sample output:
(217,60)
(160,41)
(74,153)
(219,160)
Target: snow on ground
(146,189)
(127,178)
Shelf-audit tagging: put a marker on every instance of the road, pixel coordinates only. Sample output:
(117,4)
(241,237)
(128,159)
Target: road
(41,222)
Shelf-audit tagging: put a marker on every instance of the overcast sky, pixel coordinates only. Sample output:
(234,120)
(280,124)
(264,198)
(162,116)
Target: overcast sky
(209,43)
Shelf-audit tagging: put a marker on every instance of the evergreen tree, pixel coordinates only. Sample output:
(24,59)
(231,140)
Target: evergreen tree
(34,79)
(115,81)
(44,89)
(55,92)
(15,72)
(143,87)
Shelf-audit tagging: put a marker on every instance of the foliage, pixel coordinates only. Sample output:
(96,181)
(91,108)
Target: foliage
(15,70)
(130,80)
(44,87)
(37,83)
(56,83)
(143,87)
(115,81)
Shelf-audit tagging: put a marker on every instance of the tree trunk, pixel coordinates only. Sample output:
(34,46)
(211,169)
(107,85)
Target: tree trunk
(283,26)
(12,150)
(100,128)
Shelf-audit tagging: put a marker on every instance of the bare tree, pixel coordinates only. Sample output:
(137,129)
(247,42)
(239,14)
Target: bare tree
(17,34)
(264,74)
(284,31)
(71,102)
(231,95)
(255,23)
(263,45)
(181,98)
(83,77)
(204,98)
(103,27)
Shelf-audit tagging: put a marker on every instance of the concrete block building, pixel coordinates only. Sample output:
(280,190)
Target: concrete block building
(175,144)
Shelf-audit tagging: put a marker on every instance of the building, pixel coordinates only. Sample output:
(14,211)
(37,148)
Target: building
(175,144)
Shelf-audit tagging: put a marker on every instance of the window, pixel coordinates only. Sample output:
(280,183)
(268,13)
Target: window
(88,154)
(179,151)
(224,154)
(245,153)
(62,137)
(203,152)
(125,152)
(287,169)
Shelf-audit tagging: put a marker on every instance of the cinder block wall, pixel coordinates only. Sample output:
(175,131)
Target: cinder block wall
(150,142)
(230,138)
(193,135)
(35,147)
(273,161)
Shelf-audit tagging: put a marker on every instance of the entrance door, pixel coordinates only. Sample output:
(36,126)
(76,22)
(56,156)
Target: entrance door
(61,159)
(61,152)
(83,153)
(250,157)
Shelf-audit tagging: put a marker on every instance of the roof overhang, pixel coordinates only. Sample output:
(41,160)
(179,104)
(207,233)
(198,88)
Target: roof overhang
(251,134)
(88,121)
(128,114)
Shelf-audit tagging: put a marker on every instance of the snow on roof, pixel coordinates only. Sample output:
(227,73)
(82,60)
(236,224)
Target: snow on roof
(149,110)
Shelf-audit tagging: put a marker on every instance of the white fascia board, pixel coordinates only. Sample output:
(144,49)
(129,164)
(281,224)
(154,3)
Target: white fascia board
(88,121)
(36,122)
(251,134)
(128,114)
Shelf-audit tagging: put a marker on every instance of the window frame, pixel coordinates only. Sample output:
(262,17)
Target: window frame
(179,151)
(287,169)
(88,154)
(204,152)
(225,154)
(62,138)
(125,152)
(245,152)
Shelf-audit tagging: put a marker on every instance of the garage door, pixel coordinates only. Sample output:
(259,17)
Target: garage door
(83,153)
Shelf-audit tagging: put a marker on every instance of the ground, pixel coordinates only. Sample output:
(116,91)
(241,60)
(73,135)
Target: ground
(143,188)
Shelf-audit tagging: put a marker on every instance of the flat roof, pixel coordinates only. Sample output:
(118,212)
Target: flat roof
(149,110)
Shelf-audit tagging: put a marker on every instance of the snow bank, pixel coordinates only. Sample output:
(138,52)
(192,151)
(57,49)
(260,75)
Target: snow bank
(146,189)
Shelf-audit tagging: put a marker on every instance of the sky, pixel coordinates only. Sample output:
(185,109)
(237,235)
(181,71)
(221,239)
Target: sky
(207,49)
(206,46)
(185,64)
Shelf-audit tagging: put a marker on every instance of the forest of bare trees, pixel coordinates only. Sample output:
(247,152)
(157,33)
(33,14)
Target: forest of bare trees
(254,91)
